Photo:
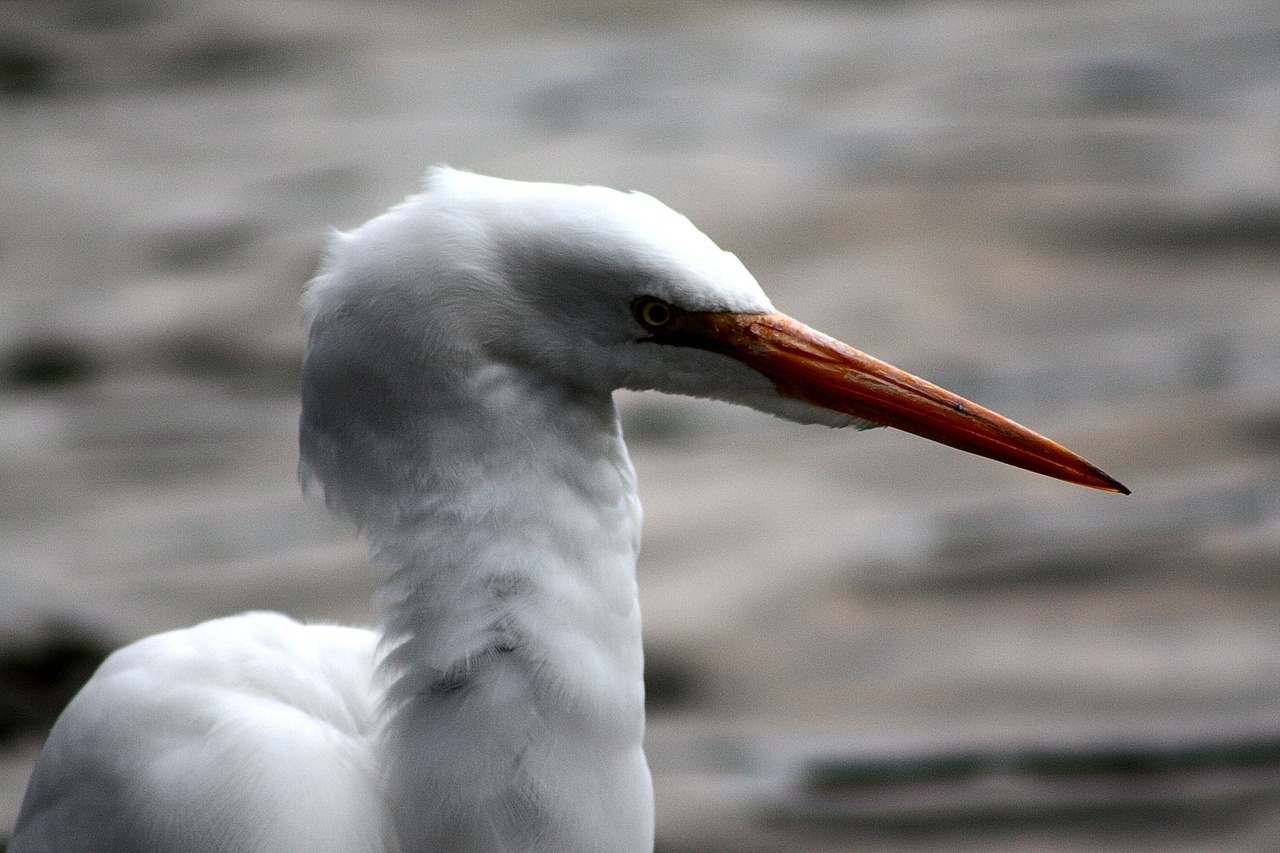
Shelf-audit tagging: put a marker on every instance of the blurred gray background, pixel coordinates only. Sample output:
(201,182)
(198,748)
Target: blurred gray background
(1068,211)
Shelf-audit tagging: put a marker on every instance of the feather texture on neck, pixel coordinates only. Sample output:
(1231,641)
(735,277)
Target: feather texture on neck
(504,517)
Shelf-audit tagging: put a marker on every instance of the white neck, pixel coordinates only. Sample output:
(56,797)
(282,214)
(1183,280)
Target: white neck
(509,533)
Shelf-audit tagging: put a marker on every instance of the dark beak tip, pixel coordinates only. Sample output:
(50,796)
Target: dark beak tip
(1118,487)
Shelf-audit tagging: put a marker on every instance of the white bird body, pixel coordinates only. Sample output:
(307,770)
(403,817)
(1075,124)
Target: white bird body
(457,406)
(251,732)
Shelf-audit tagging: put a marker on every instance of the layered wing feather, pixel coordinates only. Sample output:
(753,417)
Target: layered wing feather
(248,733)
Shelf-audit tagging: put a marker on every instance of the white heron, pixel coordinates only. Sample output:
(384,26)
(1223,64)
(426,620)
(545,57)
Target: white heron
(463,350)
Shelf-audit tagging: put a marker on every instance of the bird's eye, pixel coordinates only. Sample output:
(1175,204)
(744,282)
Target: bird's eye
(653,313)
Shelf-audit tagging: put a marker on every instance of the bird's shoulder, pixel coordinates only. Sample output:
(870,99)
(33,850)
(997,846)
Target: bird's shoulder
(325,670)
(252,732)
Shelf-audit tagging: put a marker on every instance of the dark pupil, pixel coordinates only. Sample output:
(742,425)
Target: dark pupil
(655,313)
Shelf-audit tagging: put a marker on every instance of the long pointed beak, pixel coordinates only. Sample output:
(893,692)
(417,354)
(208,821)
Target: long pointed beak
(810,366)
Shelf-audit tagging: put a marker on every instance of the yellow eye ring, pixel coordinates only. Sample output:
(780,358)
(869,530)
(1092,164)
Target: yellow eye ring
(653,313)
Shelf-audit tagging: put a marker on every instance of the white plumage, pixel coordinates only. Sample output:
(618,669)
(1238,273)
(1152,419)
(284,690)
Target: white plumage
(457,406)
(251,730)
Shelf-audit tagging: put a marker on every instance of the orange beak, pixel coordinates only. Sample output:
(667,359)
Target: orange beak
(810,366)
